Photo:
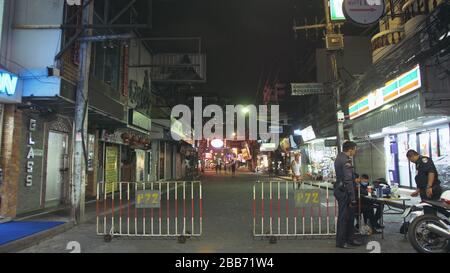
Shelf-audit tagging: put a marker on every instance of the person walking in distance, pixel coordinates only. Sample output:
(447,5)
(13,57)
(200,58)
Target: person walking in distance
(344,193)
(295,167)
(233,168)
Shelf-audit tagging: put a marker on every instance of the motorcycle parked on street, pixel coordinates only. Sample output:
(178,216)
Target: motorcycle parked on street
(429,230)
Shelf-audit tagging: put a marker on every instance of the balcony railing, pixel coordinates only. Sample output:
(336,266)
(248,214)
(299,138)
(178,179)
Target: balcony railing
(413,8)
(387,38)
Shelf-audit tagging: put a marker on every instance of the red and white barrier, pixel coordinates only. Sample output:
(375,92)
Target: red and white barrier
(308,211)
(162,198)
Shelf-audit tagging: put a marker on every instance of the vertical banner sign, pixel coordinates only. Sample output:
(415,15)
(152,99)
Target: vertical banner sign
(111,169)
(30,153)
(91,152)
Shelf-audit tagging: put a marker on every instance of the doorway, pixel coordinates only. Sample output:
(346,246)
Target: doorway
(57,167)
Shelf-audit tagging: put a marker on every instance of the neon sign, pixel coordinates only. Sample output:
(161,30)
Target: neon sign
(8,83)
(336,12)
(392,90)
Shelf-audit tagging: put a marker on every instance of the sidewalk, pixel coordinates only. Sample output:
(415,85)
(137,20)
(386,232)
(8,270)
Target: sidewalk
(48,224)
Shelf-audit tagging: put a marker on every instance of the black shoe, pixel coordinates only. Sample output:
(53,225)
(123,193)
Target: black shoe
(355,243)
(344,246)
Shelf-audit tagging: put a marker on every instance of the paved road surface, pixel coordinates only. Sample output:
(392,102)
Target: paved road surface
(227,227)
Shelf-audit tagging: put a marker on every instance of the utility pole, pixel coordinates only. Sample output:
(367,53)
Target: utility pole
(81,120)
(336,81)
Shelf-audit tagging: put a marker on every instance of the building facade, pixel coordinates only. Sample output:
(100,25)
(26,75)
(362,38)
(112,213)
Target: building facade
(39,76)
(402,101)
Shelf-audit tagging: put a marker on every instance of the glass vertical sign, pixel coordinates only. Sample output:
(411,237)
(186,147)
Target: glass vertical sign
(336,12)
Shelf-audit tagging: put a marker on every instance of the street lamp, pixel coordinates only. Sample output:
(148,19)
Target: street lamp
(245,110)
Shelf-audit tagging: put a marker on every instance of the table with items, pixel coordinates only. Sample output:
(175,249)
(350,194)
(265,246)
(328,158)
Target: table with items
(391,206)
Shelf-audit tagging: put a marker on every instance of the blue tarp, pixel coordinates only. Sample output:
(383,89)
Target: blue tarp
(13,231)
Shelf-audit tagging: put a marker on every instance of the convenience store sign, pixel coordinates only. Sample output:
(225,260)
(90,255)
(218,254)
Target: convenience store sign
(392,90)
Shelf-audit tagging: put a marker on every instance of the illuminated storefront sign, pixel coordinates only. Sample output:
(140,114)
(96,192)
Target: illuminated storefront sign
(268,147)
(8,83)
(308,134)
(10,87)
(392,90)
(30,154)
(217,143)
(336,12)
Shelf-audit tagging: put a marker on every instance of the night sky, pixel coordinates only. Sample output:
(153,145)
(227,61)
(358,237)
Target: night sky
(243,40)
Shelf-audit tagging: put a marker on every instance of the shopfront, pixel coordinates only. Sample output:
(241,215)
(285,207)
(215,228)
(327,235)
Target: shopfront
(394,119)
(125,155)
(433,142)
(10,96)
(320,155)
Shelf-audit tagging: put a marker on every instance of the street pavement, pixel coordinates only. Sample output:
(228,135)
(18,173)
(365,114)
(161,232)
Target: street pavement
(227,228)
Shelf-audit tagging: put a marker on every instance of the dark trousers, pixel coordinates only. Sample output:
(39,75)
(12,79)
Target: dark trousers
(345,225)
(369,215)
(437,191)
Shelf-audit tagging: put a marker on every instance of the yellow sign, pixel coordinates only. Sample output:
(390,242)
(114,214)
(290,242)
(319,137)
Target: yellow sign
(111,168)
(148,199)
(307,198)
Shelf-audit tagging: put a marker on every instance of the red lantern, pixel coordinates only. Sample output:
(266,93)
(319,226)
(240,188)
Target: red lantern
(134,139)
(125,137)
(147,144)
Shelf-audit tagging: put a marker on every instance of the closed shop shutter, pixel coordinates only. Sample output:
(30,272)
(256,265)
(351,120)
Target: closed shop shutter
(370,159)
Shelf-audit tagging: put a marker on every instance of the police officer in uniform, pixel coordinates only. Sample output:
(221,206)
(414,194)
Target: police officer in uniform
(428,184)
(344,193)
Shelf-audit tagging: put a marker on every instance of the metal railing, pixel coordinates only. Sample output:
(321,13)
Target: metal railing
(284,209)
(150,209)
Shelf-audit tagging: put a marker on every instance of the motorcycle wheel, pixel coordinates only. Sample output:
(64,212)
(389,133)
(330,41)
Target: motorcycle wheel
(420,237)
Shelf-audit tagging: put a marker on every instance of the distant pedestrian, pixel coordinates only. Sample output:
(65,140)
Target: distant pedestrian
(295,167)
(217,168)
(233,168)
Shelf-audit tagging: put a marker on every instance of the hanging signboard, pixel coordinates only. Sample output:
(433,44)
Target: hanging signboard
(336,12)
(148,199)
(307,198)
(276,129)
(10,91)
(330,143)
(363,12)
(303,89)
(268,147)
(308,134)
(111,170)
(392,90)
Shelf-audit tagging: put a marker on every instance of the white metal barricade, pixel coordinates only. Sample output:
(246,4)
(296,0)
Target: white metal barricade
(281,209)
(150,209)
